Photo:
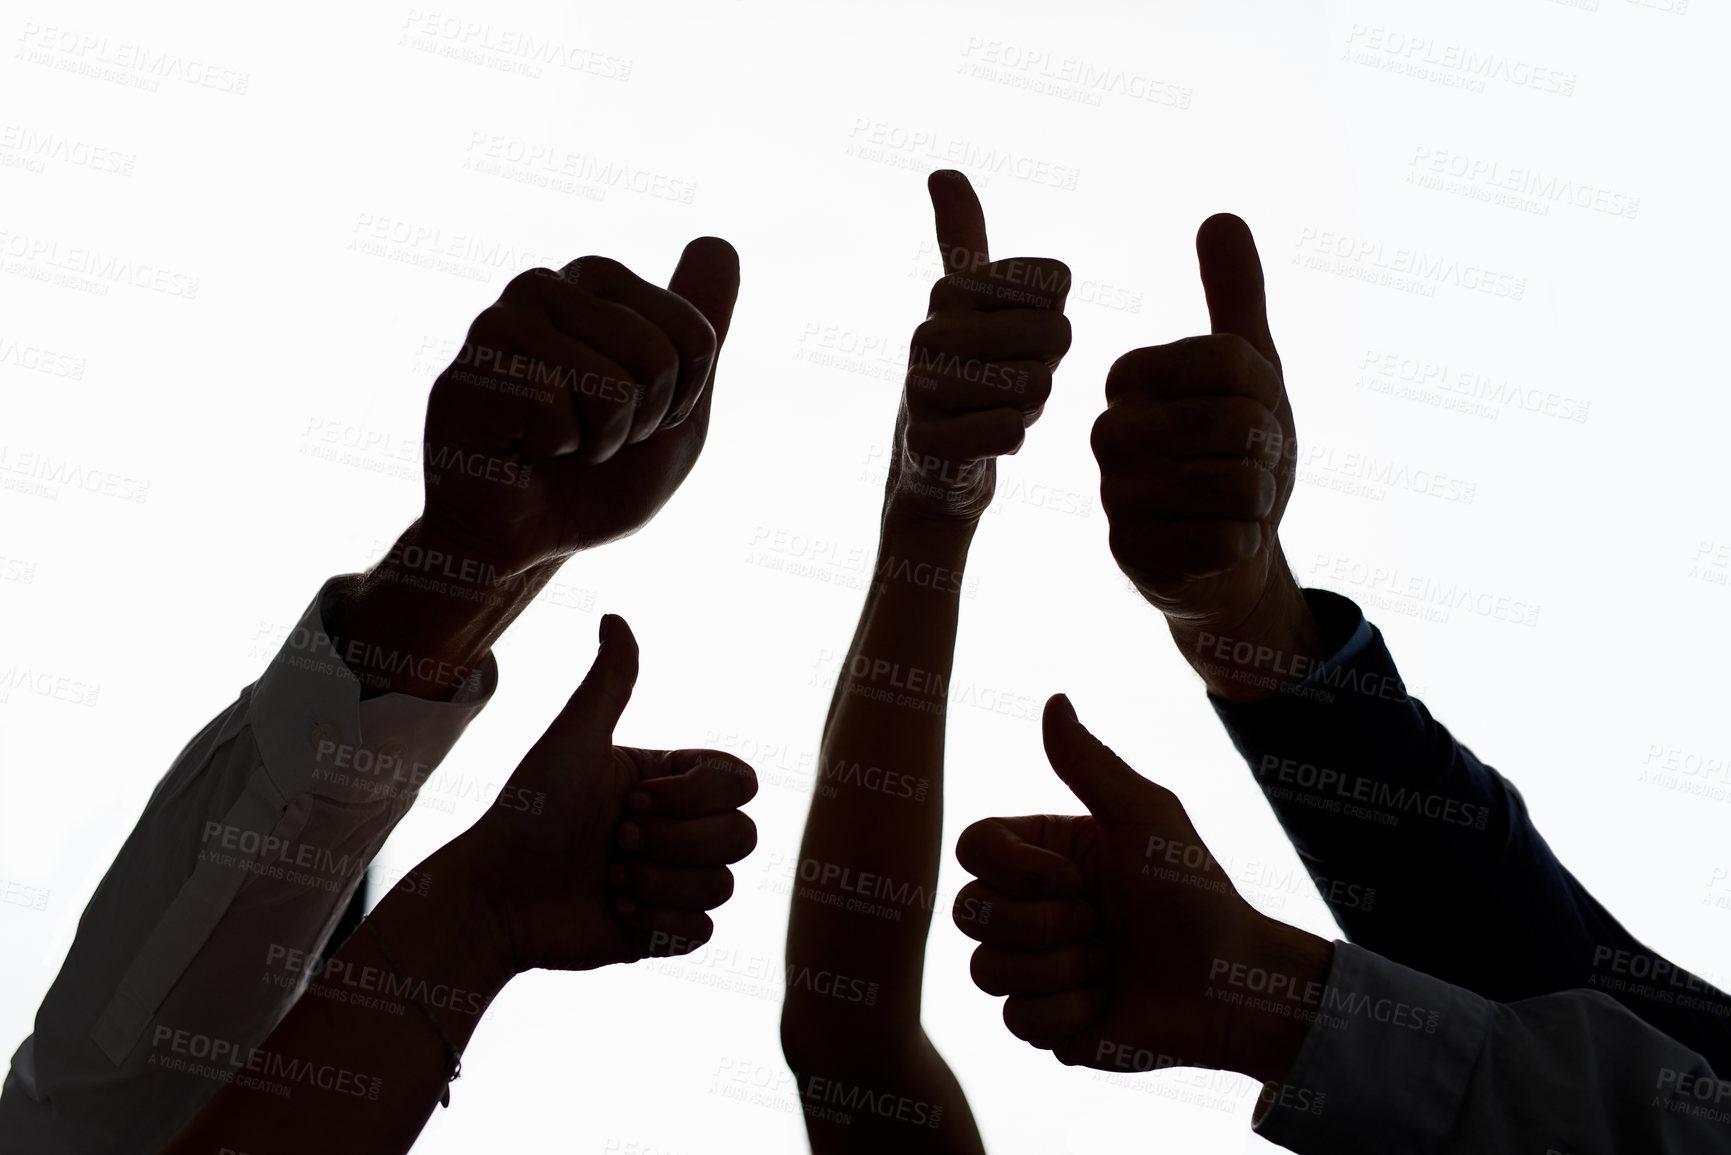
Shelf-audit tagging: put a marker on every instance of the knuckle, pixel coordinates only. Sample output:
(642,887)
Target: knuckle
(1250,368)
(1273,436)
(943,289)
(1038,385)
(1246,367)
(494,322)
(1136,538)
(980,970)
(930,332)
(700,335)
(586,269)
(745,834)
(1061,332)
(919,438)
(1130,371)
(940,333)
(1120,540)
(1102,437)
(743,779)
(1231,348)
(527,283)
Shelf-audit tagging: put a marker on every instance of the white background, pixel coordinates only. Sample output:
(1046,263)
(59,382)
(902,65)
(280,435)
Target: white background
(803,133)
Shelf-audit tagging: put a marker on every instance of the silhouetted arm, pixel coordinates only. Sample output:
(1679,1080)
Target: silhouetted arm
(1398,1060)
(538,445)
(863,895)
(979,371)
(592,854)
(1121,945)
(1408,835)
(244,856)
(357,1066)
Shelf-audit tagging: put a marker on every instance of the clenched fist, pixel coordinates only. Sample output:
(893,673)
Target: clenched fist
(979,367)
(1197,452)
(578,404)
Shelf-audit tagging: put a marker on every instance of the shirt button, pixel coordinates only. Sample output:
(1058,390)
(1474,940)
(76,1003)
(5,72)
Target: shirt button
(325,732)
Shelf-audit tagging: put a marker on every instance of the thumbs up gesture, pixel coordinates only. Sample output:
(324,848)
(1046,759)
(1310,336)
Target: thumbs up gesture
(1197,451)
(576,407)
(979,367)
(1116,934)
(595,853)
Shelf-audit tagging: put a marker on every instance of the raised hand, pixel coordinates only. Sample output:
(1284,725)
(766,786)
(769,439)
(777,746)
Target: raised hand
(575,409)
(979,367)
(1197,452)
(596,853)
(1109,929)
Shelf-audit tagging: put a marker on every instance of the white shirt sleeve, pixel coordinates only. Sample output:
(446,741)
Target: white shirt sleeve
(1399,1062)
(203,931)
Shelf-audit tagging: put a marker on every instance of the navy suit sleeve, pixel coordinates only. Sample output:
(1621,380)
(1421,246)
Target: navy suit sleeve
(1427,856)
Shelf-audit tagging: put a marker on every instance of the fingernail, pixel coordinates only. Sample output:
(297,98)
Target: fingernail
(630,834)
(624,906)
(606,629)
(1067,711)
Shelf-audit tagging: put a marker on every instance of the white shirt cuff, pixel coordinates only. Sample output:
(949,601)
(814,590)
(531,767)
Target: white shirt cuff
(314,732)
(1386,1065)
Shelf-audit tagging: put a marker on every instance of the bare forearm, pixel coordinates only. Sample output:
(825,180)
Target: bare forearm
(869,859)
(851,1016)
(364,1053)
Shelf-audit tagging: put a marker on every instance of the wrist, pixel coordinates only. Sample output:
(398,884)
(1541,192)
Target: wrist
(468,911)
(921,552)
(931,487)
(1265,1043)
(1254,654)
(422,620)
(908,516)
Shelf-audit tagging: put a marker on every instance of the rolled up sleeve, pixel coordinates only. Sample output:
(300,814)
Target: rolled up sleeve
(196,942)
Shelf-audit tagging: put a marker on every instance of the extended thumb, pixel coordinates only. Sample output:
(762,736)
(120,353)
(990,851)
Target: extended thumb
(596,706)
(961,222)
(1232,282)
(708,276)
(1107,786)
